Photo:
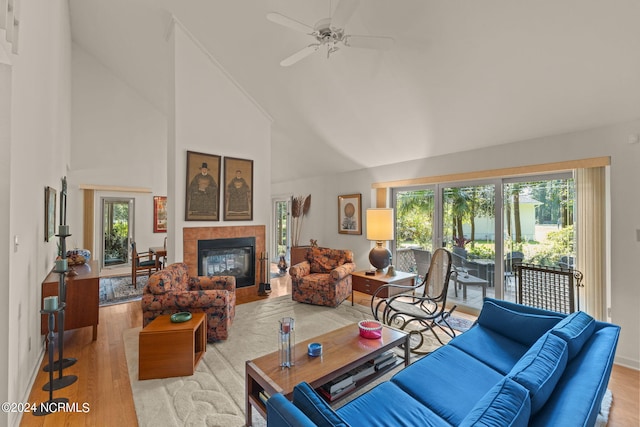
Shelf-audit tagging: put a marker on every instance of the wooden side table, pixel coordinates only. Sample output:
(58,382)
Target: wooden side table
(362,282)
(170,349)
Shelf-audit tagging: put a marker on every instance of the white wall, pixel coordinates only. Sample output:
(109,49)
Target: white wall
(606,141)
(5,235)
(119,140)
(38,151)
(212,115)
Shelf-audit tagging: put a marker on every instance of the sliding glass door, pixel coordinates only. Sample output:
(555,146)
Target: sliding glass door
(415,215)
(539,221)
(469,232)
(489,227)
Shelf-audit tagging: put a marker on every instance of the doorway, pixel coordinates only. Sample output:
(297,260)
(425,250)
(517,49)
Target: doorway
(281,229)
(117,230)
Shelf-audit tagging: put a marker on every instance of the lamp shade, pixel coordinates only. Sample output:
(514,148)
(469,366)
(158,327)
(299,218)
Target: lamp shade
(380,228)
(380,224)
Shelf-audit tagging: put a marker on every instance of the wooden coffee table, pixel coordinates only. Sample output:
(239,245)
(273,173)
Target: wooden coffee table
(342,350)
(170,349)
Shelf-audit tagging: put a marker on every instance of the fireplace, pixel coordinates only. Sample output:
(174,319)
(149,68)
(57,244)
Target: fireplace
(228,257)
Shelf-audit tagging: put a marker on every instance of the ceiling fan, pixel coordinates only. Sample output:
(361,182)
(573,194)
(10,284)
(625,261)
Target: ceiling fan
(329,33)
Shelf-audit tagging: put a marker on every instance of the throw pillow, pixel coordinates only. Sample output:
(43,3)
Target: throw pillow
(540,369)
(521,327)
(315,407)
(506,404)
(323,260)
(575,329)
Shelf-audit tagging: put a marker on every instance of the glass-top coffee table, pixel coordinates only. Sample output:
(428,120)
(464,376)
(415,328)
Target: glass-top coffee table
(342,351)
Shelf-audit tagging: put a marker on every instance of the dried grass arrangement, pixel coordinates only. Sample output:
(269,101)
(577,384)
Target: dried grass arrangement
(299,208)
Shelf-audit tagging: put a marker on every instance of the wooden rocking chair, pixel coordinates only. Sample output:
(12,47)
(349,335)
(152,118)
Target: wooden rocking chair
(423,312)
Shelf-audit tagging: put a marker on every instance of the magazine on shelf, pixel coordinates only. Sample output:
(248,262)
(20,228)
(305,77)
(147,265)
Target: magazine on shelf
(341,382)
(331,396)
(384,357)
(383,365)
(363,371)
(264,396)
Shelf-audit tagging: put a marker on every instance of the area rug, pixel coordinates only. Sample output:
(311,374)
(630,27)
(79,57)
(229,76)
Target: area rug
(605,406)
(117,290)
(459,324)
(214,395)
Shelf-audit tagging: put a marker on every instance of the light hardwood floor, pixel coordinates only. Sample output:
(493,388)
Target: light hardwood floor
(103,380)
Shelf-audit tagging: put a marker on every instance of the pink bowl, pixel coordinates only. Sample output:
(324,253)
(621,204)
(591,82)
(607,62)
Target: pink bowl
(370,329)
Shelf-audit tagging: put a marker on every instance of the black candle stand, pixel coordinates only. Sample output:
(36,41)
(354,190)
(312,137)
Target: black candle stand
(62,297)
(50,405)
(62,380)
(61,363)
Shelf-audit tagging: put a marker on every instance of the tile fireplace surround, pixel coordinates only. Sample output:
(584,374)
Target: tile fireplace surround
(191,235)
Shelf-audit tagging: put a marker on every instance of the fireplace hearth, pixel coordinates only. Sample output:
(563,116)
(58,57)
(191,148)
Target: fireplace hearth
(192,235)
(228,257)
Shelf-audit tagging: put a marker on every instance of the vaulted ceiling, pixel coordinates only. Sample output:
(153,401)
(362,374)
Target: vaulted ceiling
(461,74)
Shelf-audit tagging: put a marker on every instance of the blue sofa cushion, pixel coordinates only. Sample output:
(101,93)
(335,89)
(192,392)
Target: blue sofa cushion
(575,329)
(488,346)
(519,326)
(448,381)
(315,407)
(506,404)
(540,369)
(282,413)
(387,405)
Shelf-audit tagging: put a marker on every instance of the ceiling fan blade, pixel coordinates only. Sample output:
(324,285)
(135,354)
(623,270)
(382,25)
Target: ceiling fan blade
(303,53)
(369,42)
(342,15)
(289,23)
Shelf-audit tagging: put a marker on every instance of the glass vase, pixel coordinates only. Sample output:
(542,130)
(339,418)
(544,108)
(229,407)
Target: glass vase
(286,342)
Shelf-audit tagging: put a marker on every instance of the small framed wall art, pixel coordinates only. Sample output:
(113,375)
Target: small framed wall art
(350,214)
(160,214)
(49,213)
(238,191)
(203,187)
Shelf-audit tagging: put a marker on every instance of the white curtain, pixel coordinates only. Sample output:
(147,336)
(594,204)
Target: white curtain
(591,239)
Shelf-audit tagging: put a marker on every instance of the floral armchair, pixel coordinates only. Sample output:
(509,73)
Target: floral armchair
(324,278)
(172,290)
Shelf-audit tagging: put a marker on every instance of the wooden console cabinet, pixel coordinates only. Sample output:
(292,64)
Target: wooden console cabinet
(83,298)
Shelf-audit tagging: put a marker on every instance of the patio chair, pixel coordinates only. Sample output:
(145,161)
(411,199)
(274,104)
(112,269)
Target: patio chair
(566,262)
(514,259)
(422,259)
(422,313)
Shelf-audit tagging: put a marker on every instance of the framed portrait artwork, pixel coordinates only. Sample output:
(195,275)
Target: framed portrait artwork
(350,214)
(238,190)
(202,199)
(49,213)
(160,214)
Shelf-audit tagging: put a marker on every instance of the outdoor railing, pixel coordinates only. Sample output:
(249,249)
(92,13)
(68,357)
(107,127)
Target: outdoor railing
(550,288)
(405,261)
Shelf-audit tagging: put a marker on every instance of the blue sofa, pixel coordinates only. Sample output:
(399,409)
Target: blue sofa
(517,366)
